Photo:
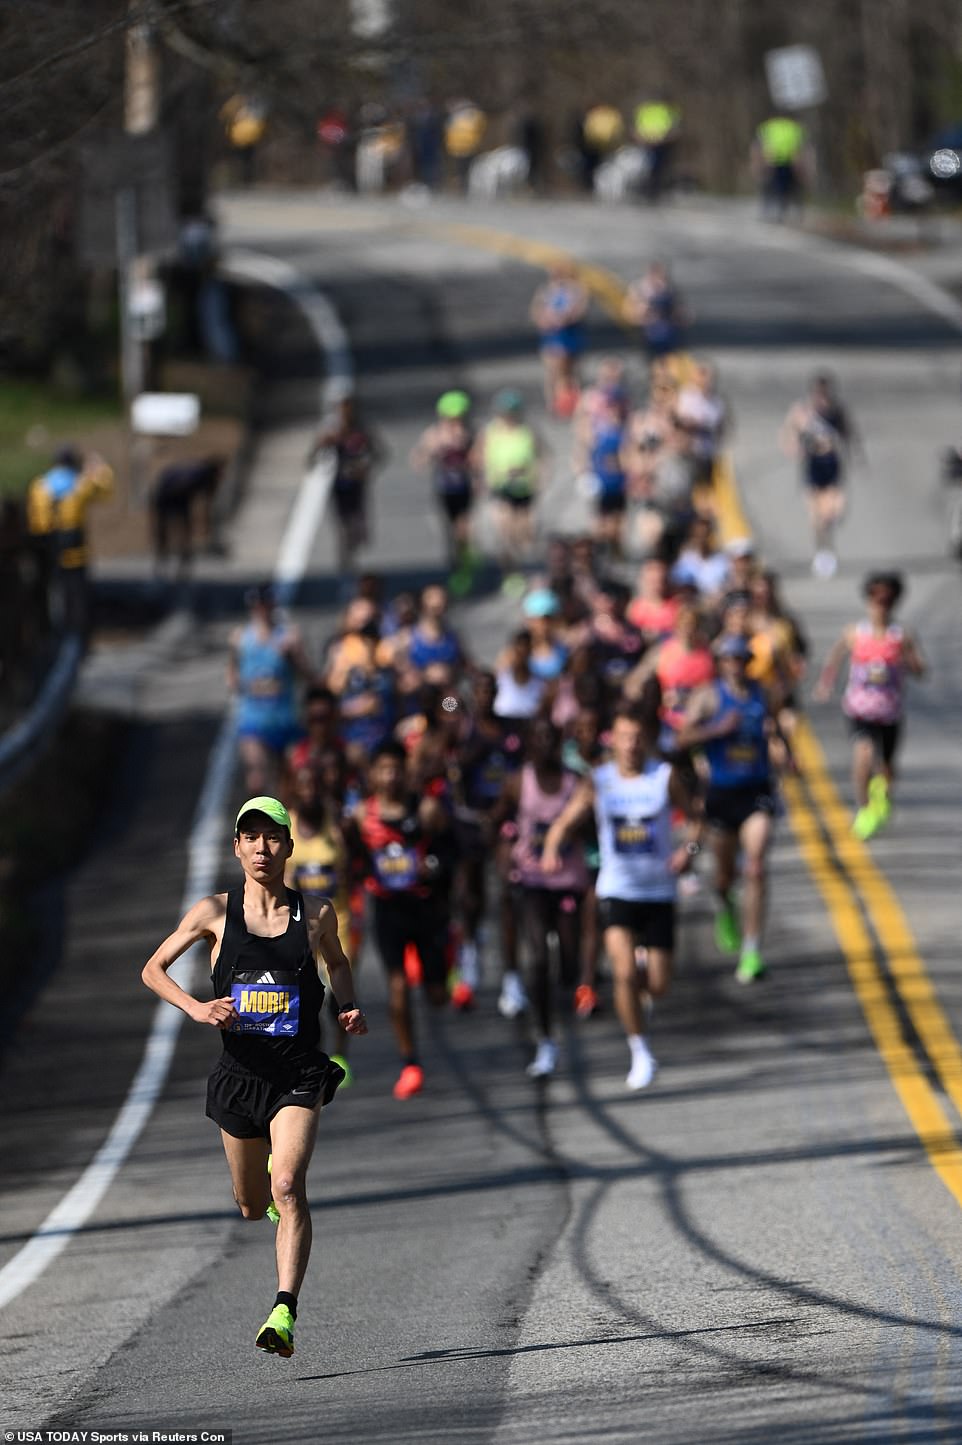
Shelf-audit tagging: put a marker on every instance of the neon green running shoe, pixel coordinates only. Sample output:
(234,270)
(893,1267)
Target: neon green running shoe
(728,936)
(751,966)
(276,1334)
(878,796)
(342,1063)
(867,821)
(272,1211)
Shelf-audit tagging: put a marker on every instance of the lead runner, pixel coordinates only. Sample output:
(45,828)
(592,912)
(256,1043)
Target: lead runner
(268,1088)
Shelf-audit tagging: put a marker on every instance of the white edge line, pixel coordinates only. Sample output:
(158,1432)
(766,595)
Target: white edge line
(856,257)
(207,832)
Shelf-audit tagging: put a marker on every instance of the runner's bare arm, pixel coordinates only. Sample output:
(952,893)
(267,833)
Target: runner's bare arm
(789,434)
(322,929)
(702,722)
(572,814)
(634,683)
(681,796)
(506,806)
(293,646)
(913,656)
(822,690)
(205,921)
(422,453)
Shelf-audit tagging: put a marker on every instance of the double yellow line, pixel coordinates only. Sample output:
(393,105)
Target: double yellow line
(861,902)
(858,898)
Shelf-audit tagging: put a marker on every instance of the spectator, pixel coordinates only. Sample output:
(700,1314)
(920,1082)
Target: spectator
(57,505)
(180,492)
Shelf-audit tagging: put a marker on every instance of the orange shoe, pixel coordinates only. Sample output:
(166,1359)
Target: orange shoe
(462,996)
(566,401)
(586,1001)
(410,1081)
(413,969)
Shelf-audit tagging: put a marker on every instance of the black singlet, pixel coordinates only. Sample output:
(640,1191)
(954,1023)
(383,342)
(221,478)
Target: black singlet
(275,987)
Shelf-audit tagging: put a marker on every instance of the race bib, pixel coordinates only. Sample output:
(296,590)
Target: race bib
(633,837)
(266,1009)
(396,866)
(317,878)
(264,687)
(491,776)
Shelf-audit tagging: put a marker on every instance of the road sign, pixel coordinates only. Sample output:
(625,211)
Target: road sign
(795,77)
(138,165)
(165,413)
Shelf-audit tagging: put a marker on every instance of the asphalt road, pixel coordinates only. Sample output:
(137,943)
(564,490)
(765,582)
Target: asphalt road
(762,1248)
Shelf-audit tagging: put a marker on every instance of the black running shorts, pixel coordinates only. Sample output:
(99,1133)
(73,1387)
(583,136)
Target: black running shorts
(884,737)
(243,1104)
(403,919)
(728,808)
(455,504)
(652,923)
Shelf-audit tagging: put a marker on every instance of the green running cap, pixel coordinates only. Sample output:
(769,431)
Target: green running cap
(454,403)
(273,808)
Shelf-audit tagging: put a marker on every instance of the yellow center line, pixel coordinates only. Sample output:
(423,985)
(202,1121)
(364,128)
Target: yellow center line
(856,876)
(607,288)
(841,890)
(918,1099)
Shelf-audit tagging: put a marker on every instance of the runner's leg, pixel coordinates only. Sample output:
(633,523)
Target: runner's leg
(620,948)
(537,919)
(247,1161)
(390,939)
(755,835)
(863,766)
(293,1135)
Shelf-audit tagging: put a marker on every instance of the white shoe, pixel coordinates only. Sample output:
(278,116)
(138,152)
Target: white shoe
(468,964)
(643,1068)
(544,1061)
(824,564)
(513,1000)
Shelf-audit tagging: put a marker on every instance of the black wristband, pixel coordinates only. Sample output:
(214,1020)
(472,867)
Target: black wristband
(347,1008)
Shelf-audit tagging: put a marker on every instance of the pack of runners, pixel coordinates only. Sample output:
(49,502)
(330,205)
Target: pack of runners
(539,813)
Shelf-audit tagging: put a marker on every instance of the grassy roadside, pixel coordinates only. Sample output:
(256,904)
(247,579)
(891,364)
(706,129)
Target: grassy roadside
(34,420)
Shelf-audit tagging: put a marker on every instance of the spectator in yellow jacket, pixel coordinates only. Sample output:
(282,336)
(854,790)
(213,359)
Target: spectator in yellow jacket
(57,505)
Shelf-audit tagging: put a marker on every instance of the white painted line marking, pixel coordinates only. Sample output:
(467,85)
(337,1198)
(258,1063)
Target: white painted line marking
(211,822)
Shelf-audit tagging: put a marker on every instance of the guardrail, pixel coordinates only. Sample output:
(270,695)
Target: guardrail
(18,746)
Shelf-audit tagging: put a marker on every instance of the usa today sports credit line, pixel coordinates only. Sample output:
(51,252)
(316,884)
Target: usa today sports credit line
(143,1436)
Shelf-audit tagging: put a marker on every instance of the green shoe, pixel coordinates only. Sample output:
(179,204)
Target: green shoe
(342,1063)
(272,1211)
(728,935)
(878,796)
(460,583)
(276,1334)
(513,586)
(751,965)
(867,821)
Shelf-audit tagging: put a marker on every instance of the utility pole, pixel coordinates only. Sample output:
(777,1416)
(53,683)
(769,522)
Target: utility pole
(141,107)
